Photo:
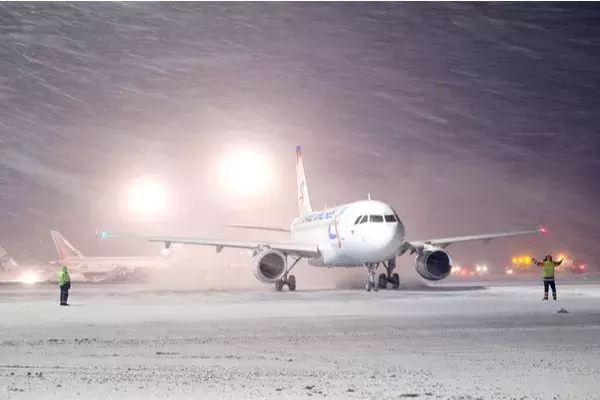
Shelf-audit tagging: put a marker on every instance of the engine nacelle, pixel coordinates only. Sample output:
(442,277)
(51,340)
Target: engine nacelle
(434,265)
(270,265)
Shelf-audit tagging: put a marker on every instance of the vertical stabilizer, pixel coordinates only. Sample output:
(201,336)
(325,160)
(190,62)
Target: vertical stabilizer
(63,247)
(304,206)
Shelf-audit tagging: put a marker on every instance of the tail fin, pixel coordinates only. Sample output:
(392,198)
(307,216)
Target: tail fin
(63,247)
(303,197)
(7,263)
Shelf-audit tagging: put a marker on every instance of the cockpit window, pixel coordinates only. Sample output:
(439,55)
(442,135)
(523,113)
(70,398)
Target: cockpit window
(375,218)
(363,220)
(390,218)
(358,219)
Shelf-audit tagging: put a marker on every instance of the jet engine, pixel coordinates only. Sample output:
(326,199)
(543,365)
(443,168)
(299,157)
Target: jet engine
(433,265)
(270,265)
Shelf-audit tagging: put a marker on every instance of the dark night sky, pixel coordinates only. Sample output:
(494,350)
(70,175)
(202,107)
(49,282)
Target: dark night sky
(467,118)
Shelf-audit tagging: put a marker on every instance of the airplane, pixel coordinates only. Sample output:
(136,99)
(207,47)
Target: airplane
(365,233)
(95,269)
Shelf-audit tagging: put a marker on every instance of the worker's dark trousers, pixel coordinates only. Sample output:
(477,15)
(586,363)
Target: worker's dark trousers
(64,293)
(549,282)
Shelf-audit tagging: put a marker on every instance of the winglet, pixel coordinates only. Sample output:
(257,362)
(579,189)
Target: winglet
(100,234)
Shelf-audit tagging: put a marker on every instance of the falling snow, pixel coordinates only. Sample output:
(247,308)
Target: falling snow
(467,118)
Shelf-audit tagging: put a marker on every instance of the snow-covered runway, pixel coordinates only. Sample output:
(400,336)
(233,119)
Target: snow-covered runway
(125,342)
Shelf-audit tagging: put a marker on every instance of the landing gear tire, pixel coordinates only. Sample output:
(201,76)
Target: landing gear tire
(389,276)
(279,285)
(291,282)
(395,281)
(383,281)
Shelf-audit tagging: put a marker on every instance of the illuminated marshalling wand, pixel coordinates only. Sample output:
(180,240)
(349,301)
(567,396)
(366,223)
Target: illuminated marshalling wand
(365,233)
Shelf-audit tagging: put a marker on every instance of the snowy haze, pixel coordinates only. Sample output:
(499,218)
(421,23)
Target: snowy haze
(467,118)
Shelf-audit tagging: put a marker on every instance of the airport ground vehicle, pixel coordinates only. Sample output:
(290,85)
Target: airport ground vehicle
(479,269)
(578,267)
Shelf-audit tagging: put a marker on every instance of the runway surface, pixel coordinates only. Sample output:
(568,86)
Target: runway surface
(451,342)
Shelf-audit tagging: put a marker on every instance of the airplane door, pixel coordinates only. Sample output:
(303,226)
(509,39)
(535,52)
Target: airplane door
(336,237)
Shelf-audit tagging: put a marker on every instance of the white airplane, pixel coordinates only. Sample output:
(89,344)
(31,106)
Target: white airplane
(365,233)
(96,269)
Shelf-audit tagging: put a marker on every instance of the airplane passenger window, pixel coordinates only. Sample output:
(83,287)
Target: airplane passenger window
(375,218)
(390,218)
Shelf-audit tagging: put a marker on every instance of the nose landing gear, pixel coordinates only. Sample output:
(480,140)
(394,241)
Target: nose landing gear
(372,284)
(384,278)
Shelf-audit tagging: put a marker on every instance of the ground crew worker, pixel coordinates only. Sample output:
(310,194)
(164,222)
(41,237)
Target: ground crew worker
(548,274)
(64,282)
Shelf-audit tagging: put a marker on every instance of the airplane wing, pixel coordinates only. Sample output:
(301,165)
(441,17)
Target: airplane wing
(445,242)
(291,248)
(260,228)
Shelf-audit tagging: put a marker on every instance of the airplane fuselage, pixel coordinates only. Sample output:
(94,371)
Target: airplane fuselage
(105,265)
(351,234)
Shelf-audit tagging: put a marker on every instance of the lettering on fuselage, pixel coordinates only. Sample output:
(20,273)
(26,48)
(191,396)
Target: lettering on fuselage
(117,266)
(320,216)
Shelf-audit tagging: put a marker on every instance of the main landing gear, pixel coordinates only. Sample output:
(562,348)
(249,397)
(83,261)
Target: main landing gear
(384,279)
(289,280)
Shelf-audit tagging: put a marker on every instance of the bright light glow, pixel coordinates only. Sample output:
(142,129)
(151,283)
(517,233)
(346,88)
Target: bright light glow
(527,260)
(521,259)
(514,260)
(485,268)
(28,278)
(509,272)
(147,196)
(245,173)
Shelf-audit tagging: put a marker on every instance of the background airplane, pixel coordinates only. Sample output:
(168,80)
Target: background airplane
(96,269)
(363,233)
